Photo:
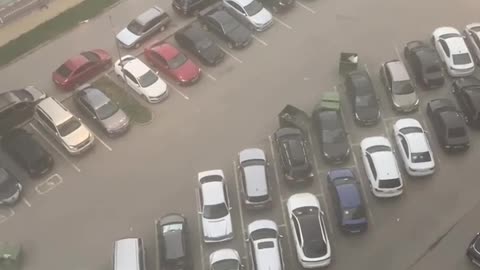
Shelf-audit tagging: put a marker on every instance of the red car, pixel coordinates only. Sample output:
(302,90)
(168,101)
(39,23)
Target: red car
(169,60)
(81,68)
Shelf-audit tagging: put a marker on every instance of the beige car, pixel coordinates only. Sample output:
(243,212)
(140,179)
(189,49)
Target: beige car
(64,126)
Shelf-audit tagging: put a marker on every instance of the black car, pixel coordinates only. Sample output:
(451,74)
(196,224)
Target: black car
(195,40)
(424,63)
(27,152)
(223,24)
(189,7)
(473,250)
(467,92)
(292,148)
(331,134)
(363,98)
(172,242)
(448,124)
(10,188)
(278,5)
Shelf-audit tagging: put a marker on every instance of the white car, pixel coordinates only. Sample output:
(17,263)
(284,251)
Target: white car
(225,259)
(250,12)
(265,246)
(453,51)
(472,33)
(414,147)
(381,167)
(309,230)
(215,207)
(141,78)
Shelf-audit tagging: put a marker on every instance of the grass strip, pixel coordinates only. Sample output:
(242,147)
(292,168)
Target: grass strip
(52,28)
(132,107)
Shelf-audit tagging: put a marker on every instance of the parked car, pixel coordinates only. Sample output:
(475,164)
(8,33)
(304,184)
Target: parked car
(251,13)
(81,68)
(292,148)
(414,147)
(172,62)
(172,236)
(467,92)
(10,188)
(453,51)
(145,25)
(143,80)
(189,7)
(225,26)
(265,246)
(348,202)
(225,259)
(11,256)
(425,64)
(277,6)
(198,42)
(473,250)
(309,230)
(27,152)
(472,36)
(97,106)
(396,80)
(362,97)
(448,124)
(214,207)
(17,107)
(66,128)
(381,167)
(253,173)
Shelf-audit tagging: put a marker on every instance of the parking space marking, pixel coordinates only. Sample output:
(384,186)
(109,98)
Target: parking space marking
(235,174)
(49,184)
(259,40)
(102,142)
(178,91)
(3,217)
(282,23)
(306,7)
(26,202)
(230,54)
(210,76)
(200,229)
(56,149)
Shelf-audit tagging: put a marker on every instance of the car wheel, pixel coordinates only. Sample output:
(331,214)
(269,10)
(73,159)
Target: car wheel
(162,28)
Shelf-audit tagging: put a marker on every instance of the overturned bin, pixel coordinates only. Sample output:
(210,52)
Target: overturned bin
(292,116)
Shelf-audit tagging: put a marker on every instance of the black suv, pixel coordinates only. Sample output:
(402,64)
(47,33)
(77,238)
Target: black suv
(425,64)
(278,5)
(189,7)
(448,124)
(172,242)
(362,96)
(292,148)
(467,92)
(27,152)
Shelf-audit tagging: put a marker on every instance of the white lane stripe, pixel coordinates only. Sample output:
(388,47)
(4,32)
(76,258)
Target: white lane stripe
(306,7)
(26,202)
(282,23)
(210,76)
(178,91)
(259,40)
(102,142)
(230,54)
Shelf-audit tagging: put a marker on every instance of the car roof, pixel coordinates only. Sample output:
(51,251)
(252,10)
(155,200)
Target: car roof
(452,118)
(255,180)
(222,17)
(212,193)
(173,245)
(348,195)
(361,80)
(417,142)
(55,111)
(457,45)
(149,15)
(385,165)
(124,249)
(166,50)
(295,149)
(136,67)
(398,70)
(76,61)
(94,97)
(243,2)
(442,104)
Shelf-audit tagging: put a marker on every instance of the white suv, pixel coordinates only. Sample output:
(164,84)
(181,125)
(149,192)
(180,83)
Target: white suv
(215,207)
(381,167)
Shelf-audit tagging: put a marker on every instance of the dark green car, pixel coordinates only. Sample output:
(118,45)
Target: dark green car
(10,256)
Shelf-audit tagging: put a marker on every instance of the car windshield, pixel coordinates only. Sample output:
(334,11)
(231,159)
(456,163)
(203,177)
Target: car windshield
(389,183)
(204,44)
(253,8)
(450,35)
(378,148)
(333,136)
(456,132)
(461,59)
(365,101)
(421,157)
(148,79)
(263,234)
(403,88)
(228,264)
(68,126)
(354,213)
(106,110)
(215,211)
(408,130)
(64,71)
(135,27)
(177,61)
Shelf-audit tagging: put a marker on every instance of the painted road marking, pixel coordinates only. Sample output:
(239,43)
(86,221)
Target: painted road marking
(49,184)
(306,7)
(260,40)
(178,91)
(282,23)
(26,202)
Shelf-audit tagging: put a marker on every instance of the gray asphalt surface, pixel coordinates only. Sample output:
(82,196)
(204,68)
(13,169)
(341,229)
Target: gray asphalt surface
(109,194)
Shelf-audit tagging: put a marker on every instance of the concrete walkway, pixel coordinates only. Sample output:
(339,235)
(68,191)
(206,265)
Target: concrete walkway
(28,22)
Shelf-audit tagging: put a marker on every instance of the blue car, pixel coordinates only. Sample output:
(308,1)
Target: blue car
(349,205)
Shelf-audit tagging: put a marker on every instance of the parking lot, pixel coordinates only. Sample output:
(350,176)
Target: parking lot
(70,218)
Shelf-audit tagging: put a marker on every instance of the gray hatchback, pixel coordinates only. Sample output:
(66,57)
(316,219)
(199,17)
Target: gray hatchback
(95,104)
(253,174)
(396,80)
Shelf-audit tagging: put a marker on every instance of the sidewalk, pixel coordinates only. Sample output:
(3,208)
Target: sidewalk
(28,22)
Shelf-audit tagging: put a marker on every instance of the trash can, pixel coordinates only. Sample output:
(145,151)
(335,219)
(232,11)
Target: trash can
(292,116)
(348,62)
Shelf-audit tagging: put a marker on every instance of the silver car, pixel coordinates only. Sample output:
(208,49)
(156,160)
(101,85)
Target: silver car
(96,105)
(253,174)
(145,25)
(250,12)
(265,245)
(226,258)
(396,80)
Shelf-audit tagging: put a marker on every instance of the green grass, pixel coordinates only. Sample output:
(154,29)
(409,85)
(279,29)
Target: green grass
(136,111)
(52,28)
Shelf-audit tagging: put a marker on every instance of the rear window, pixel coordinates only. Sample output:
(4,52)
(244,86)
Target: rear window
(258,199)
(354,213)
(263,245)
(421,157)
(64,71)
(461,59)
(389,183)
(456,132)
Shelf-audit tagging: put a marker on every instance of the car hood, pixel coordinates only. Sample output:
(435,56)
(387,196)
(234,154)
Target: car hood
(212,53)
(187,71)
(116,121)
(239,35)
(335,150)
(126,37)
(407,100)
(78,136)
(262,17)
(217,228)
(157,89)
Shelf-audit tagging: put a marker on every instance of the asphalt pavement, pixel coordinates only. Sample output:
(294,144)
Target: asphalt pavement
(70,218)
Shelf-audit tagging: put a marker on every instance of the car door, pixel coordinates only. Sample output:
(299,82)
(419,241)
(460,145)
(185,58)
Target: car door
(132,81)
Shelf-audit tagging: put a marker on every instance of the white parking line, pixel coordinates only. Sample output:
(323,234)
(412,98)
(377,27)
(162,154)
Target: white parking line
(209,75)
(259,40)
(230,54)
(178,91)
(102,142)
(26,202)
(240,204)
(56,149)
(282,23)
(49,184)
(306,7)
(200,229)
